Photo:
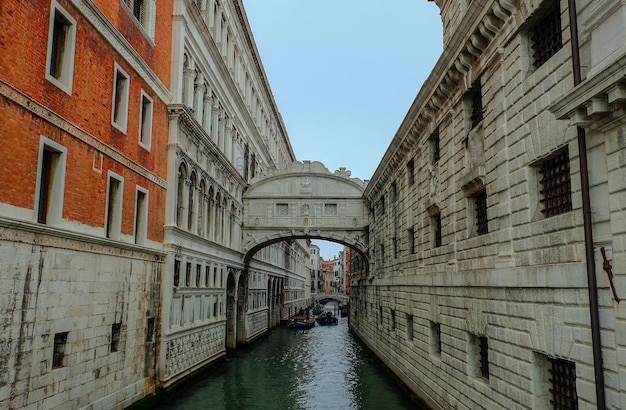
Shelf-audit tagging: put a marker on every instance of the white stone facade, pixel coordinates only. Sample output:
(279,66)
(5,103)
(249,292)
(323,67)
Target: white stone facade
(478,284)
(61,296)
(224,130)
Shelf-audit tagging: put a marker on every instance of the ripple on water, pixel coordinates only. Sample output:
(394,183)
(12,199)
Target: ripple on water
(317,369)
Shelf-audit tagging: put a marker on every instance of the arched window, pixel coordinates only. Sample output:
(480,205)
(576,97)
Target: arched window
(180,194)
(209,215)
(232,225)
(218,217)
(202,208)
(191,212)
(224,211)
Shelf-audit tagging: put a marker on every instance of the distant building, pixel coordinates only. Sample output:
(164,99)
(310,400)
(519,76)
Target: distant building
(315,269)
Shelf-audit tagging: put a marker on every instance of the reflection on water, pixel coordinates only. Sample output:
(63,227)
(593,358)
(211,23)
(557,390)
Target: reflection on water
(321,368)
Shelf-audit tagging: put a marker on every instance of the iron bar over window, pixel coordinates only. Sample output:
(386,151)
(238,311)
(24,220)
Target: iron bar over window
(546,36)
(481,212)
(556,187)
(563,378)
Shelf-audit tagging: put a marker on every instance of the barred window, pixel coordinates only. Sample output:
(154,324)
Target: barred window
(556,188)
(563,380)
(546,39)
(480,203)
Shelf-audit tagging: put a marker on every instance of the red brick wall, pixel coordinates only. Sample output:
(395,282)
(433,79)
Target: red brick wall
(23,47)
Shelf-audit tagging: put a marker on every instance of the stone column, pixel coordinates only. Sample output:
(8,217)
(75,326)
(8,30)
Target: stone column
(189,75)
(207,112)
(198,104)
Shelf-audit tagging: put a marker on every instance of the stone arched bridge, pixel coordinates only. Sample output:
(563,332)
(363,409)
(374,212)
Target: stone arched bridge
(305,201)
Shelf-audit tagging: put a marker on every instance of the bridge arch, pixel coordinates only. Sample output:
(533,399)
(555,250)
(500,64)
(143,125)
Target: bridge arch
(306,200)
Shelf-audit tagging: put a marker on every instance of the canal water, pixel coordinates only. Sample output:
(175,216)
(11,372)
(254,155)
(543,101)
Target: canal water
(316,369)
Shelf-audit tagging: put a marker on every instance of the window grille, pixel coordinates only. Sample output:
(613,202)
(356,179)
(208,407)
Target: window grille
(556,189)
(546,36)
(563,379)
(484,357)
(476,103)
(480,200)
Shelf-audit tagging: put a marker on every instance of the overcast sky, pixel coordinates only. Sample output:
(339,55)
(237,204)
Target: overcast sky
(344,73)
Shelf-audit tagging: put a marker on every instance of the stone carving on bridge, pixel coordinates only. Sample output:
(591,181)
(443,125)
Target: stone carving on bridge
(305,200)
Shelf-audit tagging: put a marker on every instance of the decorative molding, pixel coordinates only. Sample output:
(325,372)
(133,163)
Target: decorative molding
(53,118)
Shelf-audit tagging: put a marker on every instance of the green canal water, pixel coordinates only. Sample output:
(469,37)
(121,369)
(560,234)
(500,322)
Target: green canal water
(316,369)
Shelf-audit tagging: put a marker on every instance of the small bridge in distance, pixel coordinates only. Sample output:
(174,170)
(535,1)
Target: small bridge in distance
(331,296)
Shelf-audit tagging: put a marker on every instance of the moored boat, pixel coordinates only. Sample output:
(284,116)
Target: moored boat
(326,319)
(301,322)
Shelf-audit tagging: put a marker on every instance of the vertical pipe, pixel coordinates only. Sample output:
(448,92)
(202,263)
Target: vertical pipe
(594,309)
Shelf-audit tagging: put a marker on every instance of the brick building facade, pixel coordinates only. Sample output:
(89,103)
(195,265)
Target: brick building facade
(84,88)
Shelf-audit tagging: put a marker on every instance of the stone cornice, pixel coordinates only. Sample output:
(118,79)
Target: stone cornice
(99,21)
(475,33)
(243,21)
(598,102)
(40,234)
(27,103)
(193,13)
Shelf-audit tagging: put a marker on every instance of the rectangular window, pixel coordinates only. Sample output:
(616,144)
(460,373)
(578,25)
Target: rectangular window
(51,182)
(145,122)
(480,206)
(474,98)
(410,169)
(409,327)
(141,216)
(435,338)
(393,320)
(58,354)
(483,359)
(150,330)
(61,48)
(435,152)
(121,88)
(116,331)
(144,11)
(436,226)
(563,380)
(113,221)
(545,34)
(394,245)
(556,186)
(177,273)
(188,275)
(282,209)
(410,233)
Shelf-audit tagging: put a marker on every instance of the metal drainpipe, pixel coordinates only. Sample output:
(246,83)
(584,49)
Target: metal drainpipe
(594,310)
